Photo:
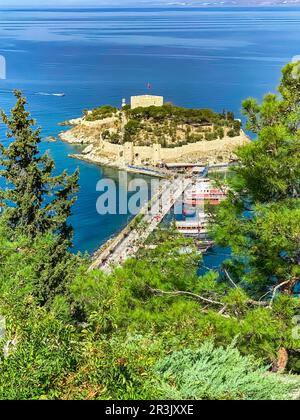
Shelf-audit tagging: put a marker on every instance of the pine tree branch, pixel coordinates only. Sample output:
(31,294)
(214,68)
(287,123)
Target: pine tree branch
(230,279)
(206,300)
(275,291)
(182,293)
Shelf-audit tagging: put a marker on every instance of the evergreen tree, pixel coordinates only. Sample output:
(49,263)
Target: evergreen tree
(35,201)
(261,218)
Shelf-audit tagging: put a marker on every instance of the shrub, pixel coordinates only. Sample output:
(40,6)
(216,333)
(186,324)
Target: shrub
(231,133)
(101,113)
(211,373)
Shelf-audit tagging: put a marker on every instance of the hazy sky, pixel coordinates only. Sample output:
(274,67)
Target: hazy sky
(83,3)
(24,3)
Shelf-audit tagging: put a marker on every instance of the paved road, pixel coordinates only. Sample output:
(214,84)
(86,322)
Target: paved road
(128,242)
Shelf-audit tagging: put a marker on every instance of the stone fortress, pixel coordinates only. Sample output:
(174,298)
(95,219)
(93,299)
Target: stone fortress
(129,154)
(145,101)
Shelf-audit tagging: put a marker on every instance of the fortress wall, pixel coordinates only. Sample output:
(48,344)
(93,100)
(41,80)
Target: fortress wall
(109,148)
(205,147)
(137,155)
(143,154)
(131,154)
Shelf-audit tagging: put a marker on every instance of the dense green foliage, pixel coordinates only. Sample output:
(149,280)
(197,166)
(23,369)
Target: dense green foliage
(163,124)
(100,113)
(261,218)
(180,115)
(154,329)
(131,129)
(35,203)
(220,374)
(34,200)
(40,267)
(109,335)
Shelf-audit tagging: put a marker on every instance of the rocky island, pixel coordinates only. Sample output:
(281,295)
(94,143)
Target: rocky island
(149,132)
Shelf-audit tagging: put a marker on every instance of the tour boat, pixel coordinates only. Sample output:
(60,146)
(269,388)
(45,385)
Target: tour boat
(192,228)
(203,193)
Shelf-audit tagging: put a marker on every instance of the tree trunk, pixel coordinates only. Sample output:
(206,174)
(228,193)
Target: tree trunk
(281,363)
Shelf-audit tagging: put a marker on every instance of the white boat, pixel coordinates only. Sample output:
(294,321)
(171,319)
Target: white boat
(193,228)
(50,94)
(204,191)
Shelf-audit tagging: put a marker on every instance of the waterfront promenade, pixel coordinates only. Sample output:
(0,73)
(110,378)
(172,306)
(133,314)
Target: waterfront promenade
(127,243)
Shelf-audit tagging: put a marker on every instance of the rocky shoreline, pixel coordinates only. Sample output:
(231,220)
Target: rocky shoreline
(96,160)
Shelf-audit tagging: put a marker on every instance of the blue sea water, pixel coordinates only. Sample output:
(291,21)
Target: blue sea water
(194,57)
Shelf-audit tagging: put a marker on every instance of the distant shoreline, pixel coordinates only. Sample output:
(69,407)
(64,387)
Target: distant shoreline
(166,6)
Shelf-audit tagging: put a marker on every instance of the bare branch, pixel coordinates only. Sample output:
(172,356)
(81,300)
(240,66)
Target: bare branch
(230,279)
(181,293)
(223,310)
(206,300)
(265,295)
(256,303)
(275,291)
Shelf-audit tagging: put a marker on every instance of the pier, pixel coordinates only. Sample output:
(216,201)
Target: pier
(127,243)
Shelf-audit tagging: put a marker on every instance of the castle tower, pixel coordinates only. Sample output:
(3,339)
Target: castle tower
(129,153)
(156,158)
